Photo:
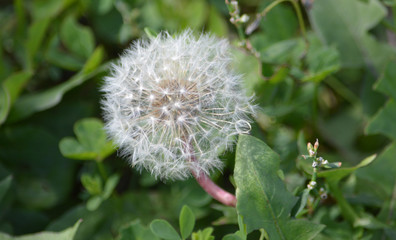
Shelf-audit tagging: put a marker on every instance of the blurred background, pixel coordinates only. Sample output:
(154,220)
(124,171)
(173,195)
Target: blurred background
(318,69)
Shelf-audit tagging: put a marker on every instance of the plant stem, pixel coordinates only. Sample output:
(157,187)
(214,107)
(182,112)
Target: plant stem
(208,185)
(214,190)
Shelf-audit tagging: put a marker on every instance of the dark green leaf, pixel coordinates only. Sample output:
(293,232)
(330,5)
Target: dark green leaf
(136,231)
(77,38)
(322,61)
(348,30)
(48,8)
(280,23)
(381,174)
(163,229)
(4,185)
(216,23)
(263,200)
(250,67)
(35,38)
(43,178)
(10,90)
(387,84)
(383,121)
(279,52)
(31,103)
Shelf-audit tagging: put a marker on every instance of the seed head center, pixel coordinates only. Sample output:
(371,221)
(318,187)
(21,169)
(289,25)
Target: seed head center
(177,102)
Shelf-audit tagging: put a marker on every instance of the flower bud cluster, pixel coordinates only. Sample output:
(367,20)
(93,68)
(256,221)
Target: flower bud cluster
(234,11)
(172,104)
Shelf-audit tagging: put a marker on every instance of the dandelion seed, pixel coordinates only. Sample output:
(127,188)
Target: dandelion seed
(172,98)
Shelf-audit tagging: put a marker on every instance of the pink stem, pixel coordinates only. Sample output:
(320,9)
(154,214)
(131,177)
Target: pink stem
(208,185)
(214,190)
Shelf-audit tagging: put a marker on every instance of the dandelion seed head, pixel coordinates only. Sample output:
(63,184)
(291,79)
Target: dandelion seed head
(171,98)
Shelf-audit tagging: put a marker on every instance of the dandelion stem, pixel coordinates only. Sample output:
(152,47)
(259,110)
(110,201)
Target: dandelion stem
(209,186)
(214,190)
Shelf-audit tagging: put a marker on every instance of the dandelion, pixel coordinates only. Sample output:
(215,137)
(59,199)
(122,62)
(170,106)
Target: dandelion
(172,104)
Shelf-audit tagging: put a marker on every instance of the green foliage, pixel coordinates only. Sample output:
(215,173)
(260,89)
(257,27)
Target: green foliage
(164,230)
(263,199)
(29,104)
(318,70)
(349,30)
(66,234)
(4,186)
(186,222)
(91,142)
(136,231)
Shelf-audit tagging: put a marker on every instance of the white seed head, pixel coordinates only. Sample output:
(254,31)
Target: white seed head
(172,103)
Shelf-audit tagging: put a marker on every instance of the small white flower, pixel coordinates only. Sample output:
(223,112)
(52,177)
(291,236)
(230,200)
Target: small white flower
(172,104)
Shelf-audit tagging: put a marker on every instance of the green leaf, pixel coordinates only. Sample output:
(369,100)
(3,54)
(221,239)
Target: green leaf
(4,185)
(263,200)
(93,184)
(262,197)
(35,38)
(383,120)
(381,174)
(279,52)
(48,8)
(77,38)
(186,222)
(302,229)
(110,185)
(386,83)
(26,105)
(91,143)
(230,215)
(250,67)
(163,229)
(104,6)
(322,60)
(232,236)
(335,175)
(71,148)
(10,90)
(150,32)
(216,23)
(280,23)
(67,234)
(205,234)
(348,30)
(94,202)
(43,178)
(94,60)
(136,231)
